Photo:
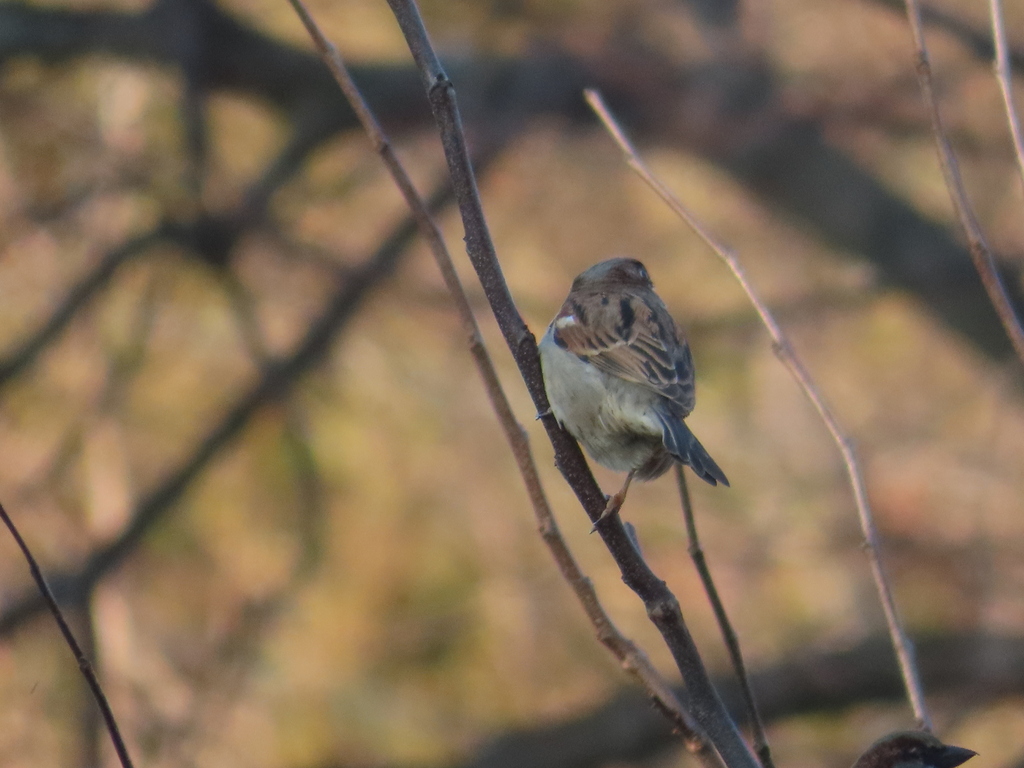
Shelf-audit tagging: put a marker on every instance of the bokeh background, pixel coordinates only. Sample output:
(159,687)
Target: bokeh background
(240,428)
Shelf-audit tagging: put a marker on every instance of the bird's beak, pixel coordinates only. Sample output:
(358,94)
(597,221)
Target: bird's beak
(954,756)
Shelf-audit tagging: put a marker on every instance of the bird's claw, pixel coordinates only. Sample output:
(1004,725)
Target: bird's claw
(612,505)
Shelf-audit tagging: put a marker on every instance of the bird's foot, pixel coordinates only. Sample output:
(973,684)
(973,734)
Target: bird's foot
(612,505)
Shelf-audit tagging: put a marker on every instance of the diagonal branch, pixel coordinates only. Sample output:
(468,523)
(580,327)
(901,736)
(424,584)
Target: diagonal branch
(784,351)
(662,606)
(69,638)
(980,252)
(628,654)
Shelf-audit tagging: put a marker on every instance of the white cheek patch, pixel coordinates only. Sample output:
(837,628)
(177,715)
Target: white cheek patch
(565,322)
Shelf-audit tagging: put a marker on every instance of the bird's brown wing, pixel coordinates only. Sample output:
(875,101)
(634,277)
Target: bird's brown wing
(633,337)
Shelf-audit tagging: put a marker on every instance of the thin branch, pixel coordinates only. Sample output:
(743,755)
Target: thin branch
(732,643)
(980,252)
(662,606)
(90,745)
(1004,77)
(69,638)
(784,351)
(628,654)
(977,42)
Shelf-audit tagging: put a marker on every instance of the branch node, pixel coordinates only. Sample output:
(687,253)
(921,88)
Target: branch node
(663,608)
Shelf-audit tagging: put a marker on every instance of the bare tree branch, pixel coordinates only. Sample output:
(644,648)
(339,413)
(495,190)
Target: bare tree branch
(662,606)
(784,351)
(1004,78)
(976,40)
(732,643)
(83,663)
(981,254)
(627,653)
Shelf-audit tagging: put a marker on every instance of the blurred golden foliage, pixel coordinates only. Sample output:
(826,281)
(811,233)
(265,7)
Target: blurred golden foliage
(357,579)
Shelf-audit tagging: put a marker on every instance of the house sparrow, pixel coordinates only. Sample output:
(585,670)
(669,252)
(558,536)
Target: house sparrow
(912,749)
(619,376)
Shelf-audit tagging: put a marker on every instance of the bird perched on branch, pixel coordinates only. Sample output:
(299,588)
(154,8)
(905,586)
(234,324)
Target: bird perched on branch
(912,749)
(619,376)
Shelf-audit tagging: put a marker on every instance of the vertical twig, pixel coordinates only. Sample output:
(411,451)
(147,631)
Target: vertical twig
(732,643)
(69,638)
(1004,78)
(981,254)
(628,654)
(786,354)
(662,606)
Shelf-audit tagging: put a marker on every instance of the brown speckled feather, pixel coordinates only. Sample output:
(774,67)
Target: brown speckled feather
(630,335)
(619,375)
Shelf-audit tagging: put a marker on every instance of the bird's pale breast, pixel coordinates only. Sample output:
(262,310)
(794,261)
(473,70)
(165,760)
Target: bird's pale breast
(613,419)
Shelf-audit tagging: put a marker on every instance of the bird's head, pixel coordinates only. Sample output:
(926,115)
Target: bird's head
(912,749)
(620,271)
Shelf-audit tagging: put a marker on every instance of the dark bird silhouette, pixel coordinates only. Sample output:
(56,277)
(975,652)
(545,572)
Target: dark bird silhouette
(912,749)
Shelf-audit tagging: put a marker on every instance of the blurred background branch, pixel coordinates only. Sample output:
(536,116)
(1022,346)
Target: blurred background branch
(730,112)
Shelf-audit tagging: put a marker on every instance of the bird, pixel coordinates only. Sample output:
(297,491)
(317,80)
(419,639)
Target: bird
(619,376)
(912,749)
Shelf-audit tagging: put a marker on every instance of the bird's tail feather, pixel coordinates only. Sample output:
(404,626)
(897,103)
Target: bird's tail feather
(686,449)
